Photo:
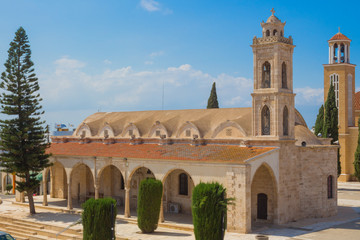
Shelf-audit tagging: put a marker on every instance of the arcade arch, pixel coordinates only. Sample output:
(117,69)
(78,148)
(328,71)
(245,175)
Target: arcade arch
(263,196)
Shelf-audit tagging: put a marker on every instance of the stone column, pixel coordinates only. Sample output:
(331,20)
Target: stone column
(161,217)
(127,202)
(45,202)
(346,54)
(329,54)
(52,183)
(349,53)
(69,203)
(96,191)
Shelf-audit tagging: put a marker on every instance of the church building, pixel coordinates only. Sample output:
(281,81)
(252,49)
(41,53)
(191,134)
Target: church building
(265,156)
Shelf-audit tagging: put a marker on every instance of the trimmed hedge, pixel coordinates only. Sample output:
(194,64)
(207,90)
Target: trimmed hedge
(209,207)
(96,219)
(149,201)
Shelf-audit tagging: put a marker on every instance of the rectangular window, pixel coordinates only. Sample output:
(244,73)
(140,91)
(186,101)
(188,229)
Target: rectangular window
(130,133)
(157,133)
(188,133)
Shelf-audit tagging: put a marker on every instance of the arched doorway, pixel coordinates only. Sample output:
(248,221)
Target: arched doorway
(111,184)
(7,179)
(58,178)
(82,184)
(178,187)
(263,196)
(135,179)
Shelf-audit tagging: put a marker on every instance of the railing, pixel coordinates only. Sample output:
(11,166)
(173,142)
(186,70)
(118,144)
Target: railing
(73,224)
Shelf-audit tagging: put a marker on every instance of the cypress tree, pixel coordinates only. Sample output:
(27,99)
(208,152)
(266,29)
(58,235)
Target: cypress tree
(213,101)
(319,124)
(22,132)
(149,203)
(357,157)
(330,128)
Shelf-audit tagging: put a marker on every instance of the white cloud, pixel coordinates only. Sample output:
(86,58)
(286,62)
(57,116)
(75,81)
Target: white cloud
(309,96)
(124,88)
(149,62)
(156,54)
(107,62)
(154,6)
(150,5)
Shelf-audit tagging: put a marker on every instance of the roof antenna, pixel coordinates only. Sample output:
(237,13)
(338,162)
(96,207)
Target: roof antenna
(339,29)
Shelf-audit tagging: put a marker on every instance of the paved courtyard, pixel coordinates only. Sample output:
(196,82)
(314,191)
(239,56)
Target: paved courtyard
(345,225)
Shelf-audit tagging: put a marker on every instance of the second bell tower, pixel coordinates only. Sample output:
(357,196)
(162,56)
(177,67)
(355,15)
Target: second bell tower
(273,97)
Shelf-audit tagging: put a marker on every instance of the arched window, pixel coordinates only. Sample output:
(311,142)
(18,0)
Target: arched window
(266,77)
(330,186)
(274,32)
(285,121)
(183,184)
(267,33)
(265,121)
(334,80)
(350,102)
(283,76)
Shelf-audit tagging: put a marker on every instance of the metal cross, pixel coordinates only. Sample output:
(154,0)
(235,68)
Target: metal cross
(273,11)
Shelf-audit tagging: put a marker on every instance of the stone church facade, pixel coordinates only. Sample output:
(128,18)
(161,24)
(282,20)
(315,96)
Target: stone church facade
(270,163)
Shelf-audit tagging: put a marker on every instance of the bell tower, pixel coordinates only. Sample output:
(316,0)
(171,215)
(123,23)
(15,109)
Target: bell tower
(273,97)
(341,73)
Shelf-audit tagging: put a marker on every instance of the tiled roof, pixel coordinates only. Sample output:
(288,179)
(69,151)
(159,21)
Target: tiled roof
(207,153)
(339,36)
(357,101)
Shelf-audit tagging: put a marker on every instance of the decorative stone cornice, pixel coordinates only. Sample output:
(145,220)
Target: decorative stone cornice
(272,39)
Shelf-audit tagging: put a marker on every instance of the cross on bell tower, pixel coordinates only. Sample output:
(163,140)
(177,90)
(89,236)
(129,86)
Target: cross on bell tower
(273,97)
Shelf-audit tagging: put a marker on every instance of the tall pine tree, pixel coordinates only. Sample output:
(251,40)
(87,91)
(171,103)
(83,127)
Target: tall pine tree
(330,128)
(357,157)
(22,133)
(319,124)
(213,102)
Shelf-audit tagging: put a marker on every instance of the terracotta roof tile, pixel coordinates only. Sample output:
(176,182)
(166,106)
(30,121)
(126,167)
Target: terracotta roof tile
(208,153)
(339,36)
(357,101)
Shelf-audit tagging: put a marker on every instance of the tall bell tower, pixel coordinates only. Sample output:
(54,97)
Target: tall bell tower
(273,97)
(341,73)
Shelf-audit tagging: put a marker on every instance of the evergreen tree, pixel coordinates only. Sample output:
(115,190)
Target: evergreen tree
(319,124)
(22,134)
(213,102)
(357,157)
(330,128)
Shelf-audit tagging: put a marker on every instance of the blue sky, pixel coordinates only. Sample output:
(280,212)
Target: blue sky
(116,55)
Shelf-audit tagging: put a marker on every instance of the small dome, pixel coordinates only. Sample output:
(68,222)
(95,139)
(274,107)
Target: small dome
(273,19)
(339,36)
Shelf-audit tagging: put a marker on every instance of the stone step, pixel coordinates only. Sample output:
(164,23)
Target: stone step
(29,224)
(19,229)
(18,236)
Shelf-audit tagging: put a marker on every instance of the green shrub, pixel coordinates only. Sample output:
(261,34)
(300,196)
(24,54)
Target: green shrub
(149,201)
(8,188)
(209,207)
(96,219)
